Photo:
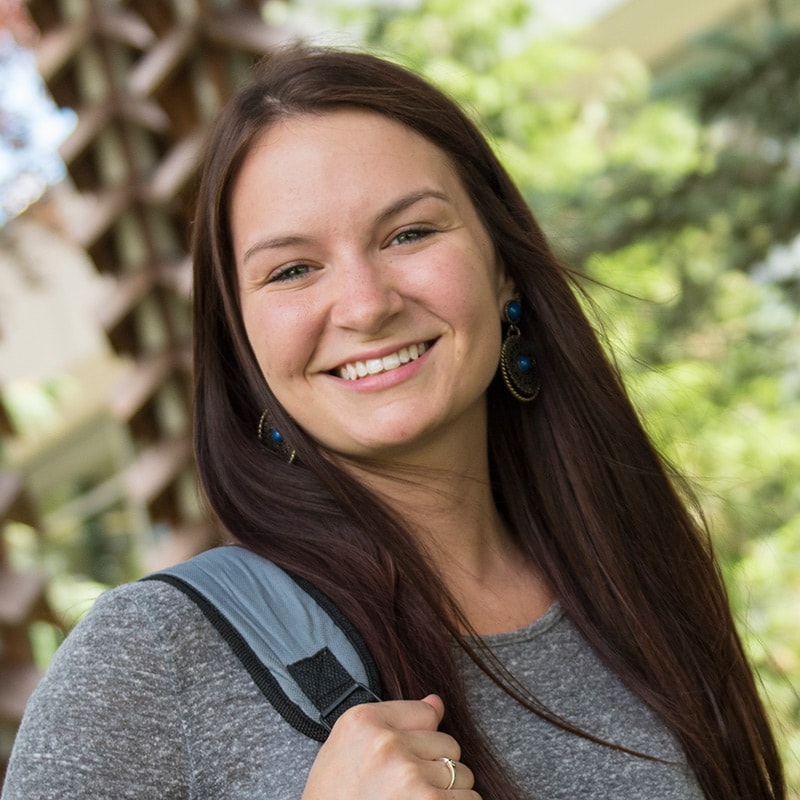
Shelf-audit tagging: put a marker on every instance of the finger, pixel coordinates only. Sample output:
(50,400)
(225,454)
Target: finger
(436,703)
(451,775)
(399,715)
(432,745)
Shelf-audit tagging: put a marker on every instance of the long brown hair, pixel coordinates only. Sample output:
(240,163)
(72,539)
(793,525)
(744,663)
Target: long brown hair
(574,473)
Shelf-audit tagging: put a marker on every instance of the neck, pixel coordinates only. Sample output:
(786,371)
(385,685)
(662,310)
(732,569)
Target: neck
(445,499)
(452,514)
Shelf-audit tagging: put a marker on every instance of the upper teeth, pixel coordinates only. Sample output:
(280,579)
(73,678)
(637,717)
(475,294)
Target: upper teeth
(372,366)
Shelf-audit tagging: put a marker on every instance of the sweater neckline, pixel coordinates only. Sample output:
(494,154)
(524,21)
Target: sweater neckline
(537,628)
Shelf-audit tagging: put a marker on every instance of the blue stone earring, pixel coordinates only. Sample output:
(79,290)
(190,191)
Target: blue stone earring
(517,363)
(271,437)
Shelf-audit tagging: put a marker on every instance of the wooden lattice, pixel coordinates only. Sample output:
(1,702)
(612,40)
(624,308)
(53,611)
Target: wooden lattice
(145,78)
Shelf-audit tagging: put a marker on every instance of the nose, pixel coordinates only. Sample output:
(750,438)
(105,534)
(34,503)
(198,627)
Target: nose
(366,296)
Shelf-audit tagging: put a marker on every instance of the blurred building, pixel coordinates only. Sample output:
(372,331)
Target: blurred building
(657,31)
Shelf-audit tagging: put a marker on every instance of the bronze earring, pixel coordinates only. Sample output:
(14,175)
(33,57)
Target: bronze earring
(272,438)
(517,363)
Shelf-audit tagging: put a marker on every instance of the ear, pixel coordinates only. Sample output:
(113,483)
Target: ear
(506,289)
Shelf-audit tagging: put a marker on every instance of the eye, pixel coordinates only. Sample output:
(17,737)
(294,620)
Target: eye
(289,272)
(412,235)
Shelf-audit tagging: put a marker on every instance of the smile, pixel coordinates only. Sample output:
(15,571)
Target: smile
(374,366)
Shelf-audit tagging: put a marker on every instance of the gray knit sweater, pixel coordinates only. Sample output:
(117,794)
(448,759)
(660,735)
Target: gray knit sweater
(145,700)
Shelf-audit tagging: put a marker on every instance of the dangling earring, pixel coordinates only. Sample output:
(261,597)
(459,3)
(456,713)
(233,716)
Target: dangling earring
(517,364)
(271,437)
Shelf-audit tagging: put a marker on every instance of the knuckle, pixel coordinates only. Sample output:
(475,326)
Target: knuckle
(408,775)
(359,716)
(405,773)
(385,744)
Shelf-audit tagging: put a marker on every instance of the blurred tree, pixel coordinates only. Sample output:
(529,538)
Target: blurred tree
(679,199)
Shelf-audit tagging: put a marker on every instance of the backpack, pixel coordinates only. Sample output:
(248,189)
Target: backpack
(301,651)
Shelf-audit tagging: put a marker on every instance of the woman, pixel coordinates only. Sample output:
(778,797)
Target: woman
(399,399)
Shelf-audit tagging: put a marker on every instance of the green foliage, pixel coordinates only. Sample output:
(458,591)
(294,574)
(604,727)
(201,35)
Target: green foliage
(676,194)
(767,582)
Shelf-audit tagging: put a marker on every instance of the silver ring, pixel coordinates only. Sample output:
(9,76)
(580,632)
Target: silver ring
(452,764)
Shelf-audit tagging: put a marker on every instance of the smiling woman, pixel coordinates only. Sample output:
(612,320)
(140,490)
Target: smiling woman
(400,402)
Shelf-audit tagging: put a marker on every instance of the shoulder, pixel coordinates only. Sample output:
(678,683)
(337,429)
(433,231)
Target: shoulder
(135,640)
(144,600)
(139,600)
(144,699)
(108,703)
(143,609)
(135,623)
(135,643)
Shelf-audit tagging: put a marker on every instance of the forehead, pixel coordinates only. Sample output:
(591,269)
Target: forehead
(356,125)
(303,156)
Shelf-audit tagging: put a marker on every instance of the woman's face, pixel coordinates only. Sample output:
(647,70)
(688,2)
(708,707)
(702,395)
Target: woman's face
(369,288)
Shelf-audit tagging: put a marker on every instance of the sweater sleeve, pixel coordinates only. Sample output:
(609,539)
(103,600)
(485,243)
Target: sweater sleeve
(105,720)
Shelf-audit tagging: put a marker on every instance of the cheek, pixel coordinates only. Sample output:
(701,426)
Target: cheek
(476,324)
(281,340)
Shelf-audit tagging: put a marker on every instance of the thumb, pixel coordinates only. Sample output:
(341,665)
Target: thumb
(435,702)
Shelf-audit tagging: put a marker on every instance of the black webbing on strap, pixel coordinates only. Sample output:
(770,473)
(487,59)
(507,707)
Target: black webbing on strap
(329,686)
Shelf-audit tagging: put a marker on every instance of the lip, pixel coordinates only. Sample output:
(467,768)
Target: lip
(374,354)
(386,351)
(383,380)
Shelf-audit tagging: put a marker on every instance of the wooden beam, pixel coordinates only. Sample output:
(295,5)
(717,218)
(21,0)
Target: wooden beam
(58,46)
(174,171)
(154,69)
(156,468)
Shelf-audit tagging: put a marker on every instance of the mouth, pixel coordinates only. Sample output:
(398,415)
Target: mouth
(355,370)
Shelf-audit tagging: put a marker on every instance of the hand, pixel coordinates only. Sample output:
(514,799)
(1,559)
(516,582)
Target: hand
(389,751)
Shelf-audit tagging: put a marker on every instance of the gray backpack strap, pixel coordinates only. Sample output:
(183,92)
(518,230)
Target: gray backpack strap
(301,651)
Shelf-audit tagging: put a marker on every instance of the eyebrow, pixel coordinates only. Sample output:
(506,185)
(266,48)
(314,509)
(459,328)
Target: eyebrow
(408,200)
(394,208)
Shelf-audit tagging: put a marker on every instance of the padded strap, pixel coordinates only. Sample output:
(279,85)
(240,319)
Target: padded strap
(279,626)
